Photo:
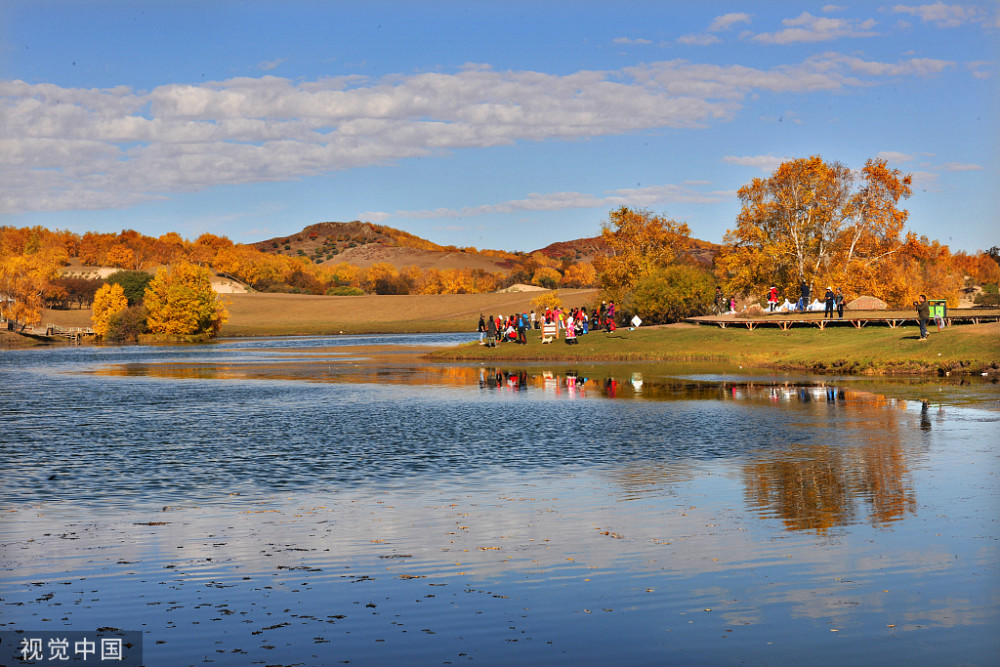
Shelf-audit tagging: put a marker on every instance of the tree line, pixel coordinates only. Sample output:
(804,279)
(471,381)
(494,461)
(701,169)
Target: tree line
(809,221)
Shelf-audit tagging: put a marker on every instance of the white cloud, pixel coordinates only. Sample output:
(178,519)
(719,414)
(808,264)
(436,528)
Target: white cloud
(827,9)
(940,14)
(895,157)
(958,166)
(268,65)
(727,21)
(555,201)
(925,180)
(69,148)
(809,28)
(697,40)
(766,163)
(720,24)
(629,40)
(980,69)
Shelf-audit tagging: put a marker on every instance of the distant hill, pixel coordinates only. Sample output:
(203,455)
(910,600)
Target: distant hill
(584,250)
(365,243)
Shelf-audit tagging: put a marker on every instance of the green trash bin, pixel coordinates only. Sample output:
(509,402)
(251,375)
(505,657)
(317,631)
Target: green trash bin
(939,311)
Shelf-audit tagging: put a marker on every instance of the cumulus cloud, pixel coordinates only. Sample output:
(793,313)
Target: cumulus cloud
(720,24)
(641,197)
(727,21)
(697,40)
(960,166)
(809,28)
(940,14)
(766,163)
(268,65)
(980,69)
(895,156)
(72,148)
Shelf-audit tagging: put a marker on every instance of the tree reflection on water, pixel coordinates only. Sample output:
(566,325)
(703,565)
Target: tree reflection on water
(858,471)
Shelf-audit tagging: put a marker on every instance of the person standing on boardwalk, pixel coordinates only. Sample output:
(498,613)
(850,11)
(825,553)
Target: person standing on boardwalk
(840,303)
(772,298)
(923,314)
(828,299)
(803,297)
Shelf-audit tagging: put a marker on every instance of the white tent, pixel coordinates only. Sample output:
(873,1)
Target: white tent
(816,305)
(786,307)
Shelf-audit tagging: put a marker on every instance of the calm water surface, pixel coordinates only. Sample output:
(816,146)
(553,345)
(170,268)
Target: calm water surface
(319,501)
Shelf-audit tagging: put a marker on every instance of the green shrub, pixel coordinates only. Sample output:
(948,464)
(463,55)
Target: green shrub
(126,326)
(133,283)
(990,296)
(672,293)
(344,291)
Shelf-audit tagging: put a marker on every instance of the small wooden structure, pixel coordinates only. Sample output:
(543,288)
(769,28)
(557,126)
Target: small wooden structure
(550,332)
(858,320)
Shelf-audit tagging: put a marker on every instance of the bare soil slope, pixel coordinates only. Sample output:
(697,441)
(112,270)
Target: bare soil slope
(400,257)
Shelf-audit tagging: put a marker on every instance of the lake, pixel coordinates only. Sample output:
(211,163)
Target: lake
(329,500)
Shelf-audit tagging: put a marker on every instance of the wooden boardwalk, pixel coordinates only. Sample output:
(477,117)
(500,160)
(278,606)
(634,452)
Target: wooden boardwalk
(75,334)
(857,319)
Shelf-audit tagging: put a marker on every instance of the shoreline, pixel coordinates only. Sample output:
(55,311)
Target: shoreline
(972,349)
(961,349)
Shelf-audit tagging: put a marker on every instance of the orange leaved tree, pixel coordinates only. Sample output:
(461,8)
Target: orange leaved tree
(816,222)
(638,243)
(181,301)
(108,302)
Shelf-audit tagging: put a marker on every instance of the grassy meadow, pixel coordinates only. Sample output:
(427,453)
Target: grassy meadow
(963,348)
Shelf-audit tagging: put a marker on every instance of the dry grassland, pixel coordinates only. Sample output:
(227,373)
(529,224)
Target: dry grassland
(297,314)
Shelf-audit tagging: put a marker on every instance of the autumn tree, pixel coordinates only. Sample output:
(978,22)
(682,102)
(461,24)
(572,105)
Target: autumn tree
(24,282)
(580,274)
(546,277)
(546,300)
(816,222)
(181,301)
(109,301)
(120,256)
(80,291)
(638,243)
(247,264)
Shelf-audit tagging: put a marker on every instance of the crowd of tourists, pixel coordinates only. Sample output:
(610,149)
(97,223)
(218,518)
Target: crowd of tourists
(569,322)
(833,299)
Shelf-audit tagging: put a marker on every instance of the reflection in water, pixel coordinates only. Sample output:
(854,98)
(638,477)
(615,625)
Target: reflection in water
(808,486)
(308,503)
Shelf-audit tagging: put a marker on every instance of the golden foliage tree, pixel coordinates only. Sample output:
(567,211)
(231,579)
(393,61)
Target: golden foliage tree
(247,264)
(816,222)
(581,274)
(546,300)
(638,243)
(109,300)
(24,281)
(546,277)
(181,301)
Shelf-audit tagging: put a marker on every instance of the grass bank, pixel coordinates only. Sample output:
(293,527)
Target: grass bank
(972,348)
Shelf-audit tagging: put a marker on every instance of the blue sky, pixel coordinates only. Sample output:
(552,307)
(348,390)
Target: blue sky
(505,125)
